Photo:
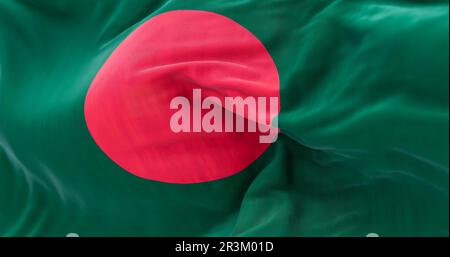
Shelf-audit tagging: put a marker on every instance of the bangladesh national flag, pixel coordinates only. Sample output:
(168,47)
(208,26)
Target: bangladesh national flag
(224,118)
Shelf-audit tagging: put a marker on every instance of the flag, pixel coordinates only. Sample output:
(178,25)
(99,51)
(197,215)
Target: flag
(111,118)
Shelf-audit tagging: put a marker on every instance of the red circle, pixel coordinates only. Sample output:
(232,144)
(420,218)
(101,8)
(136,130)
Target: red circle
(127,106)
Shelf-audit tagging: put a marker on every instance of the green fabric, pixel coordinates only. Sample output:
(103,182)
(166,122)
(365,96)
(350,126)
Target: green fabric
(364,144)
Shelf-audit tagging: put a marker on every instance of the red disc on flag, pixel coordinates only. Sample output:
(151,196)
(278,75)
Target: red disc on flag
(127,108)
